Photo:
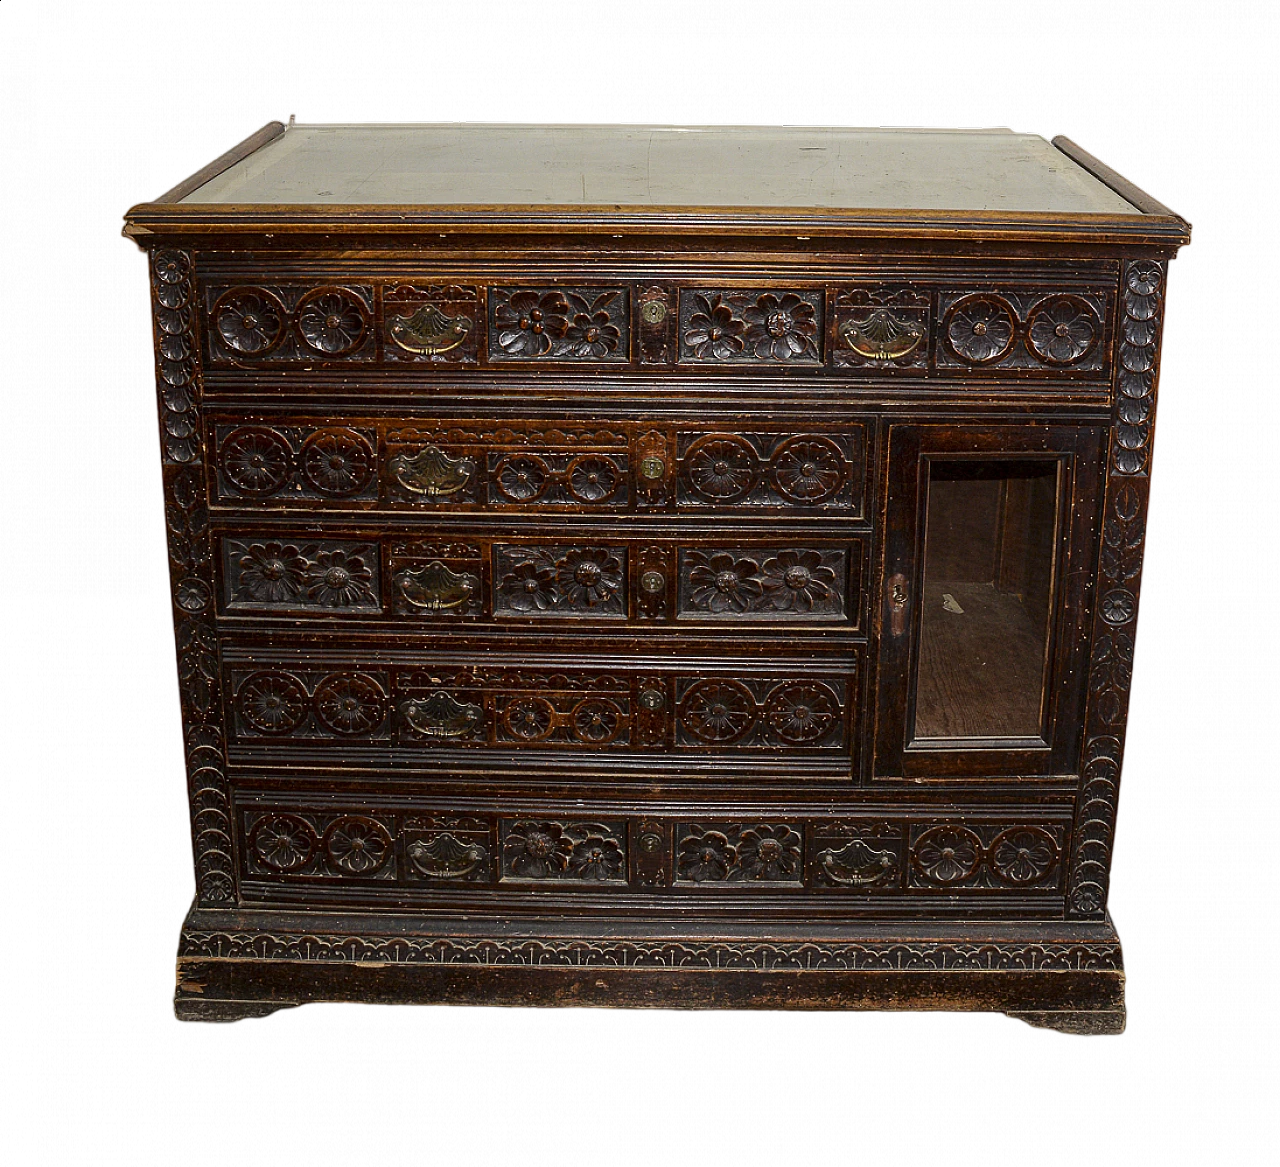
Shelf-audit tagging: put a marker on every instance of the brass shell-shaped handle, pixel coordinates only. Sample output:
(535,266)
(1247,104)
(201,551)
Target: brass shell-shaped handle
(882,336)
(429,331)
(432,472)
(436,588)
(442,716)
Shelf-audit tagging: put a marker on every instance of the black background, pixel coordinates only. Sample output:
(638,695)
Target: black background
(114,786)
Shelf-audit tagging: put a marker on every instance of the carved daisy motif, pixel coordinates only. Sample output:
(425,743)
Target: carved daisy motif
(596,857)
(718,712)
(713,332)
(537,850)
(1023,855)
(593,479)
(350,704)
(980,329)
(529,718)
(589,577)
(249,322)
(282,842)
(596,721)
(704,856)
(272,703)
(770,853)
(721,469)
(802,712)
(781,329)
(590,334)
(1143,279)
(529,587)
(529,323)
(357,846)
(339,580)
(723,583)
(332,323)
(337,462)
(523,477)
(947,854)
(797,581)
(256,461)
(808,470)
(1062,329)
(270,573)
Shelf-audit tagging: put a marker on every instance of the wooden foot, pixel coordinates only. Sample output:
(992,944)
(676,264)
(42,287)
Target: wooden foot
(1082,1021)
(195,1009)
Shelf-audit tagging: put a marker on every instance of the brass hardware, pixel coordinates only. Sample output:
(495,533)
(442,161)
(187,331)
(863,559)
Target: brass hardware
(897,588)
(856,863)
(441,716)
(650,843)
(652,700)
(653,467)
(653,582)
(445,856)
(436,588)
(432,472)
(428,332)
(882,336)
(653,311)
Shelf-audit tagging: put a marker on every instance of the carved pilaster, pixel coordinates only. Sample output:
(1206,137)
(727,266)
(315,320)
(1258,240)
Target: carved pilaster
(191,572)
(1120,571)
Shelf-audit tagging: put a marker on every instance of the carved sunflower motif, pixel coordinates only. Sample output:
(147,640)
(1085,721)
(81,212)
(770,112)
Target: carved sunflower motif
(249,322)
(270,573)
(536,850)
(1062,329)
(722,583)
(339,580)
(596,722)
(1023,855)
(171,267)
(802,712)
(771,854)
(781,329)
(947,854)
(357,846)
(1119,606)
(980,329)
(597,857)
(282,842)
(333,323)
(589,577)
(593,479)
(272,703)
(529,718)
(797,580)
(338,462)
(808,470)
(1143,279)
(704,856)
(713,332)
(721,469)
(529,587)
(718,712)
(351,704)
(256,461)
(529,323)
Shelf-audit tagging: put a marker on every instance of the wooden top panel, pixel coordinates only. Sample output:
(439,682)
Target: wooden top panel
(662,167)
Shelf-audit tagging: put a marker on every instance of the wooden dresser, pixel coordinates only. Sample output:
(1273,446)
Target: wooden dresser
(654,566)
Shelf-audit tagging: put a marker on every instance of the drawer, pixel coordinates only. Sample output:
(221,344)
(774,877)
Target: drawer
(727,580)
(736,466)
(946,319)
(398,707)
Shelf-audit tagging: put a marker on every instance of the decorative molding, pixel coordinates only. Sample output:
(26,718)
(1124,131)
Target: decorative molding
(191,574)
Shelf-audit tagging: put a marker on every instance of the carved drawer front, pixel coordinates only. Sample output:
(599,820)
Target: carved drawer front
(292,845)
(530,467)
(940,321)
(435,581)
(687,710)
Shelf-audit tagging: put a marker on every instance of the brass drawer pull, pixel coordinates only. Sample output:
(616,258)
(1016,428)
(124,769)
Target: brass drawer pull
(432,472)
(428,332)
(442,716)
(882,336)
(436,588)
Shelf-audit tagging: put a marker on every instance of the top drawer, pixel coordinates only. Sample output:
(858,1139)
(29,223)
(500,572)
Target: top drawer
(966,323)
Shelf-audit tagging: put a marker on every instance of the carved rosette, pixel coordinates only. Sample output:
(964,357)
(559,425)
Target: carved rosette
(1120,570)
(191,573)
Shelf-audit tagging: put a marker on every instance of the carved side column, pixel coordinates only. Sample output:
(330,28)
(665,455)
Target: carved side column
(1120,573)
(173,302)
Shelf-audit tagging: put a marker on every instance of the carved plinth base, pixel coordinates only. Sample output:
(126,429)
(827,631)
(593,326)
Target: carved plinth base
(236,964)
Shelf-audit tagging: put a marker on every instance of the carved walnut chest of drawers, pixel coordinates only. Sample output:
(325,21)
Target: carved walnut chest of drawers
(655,566)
